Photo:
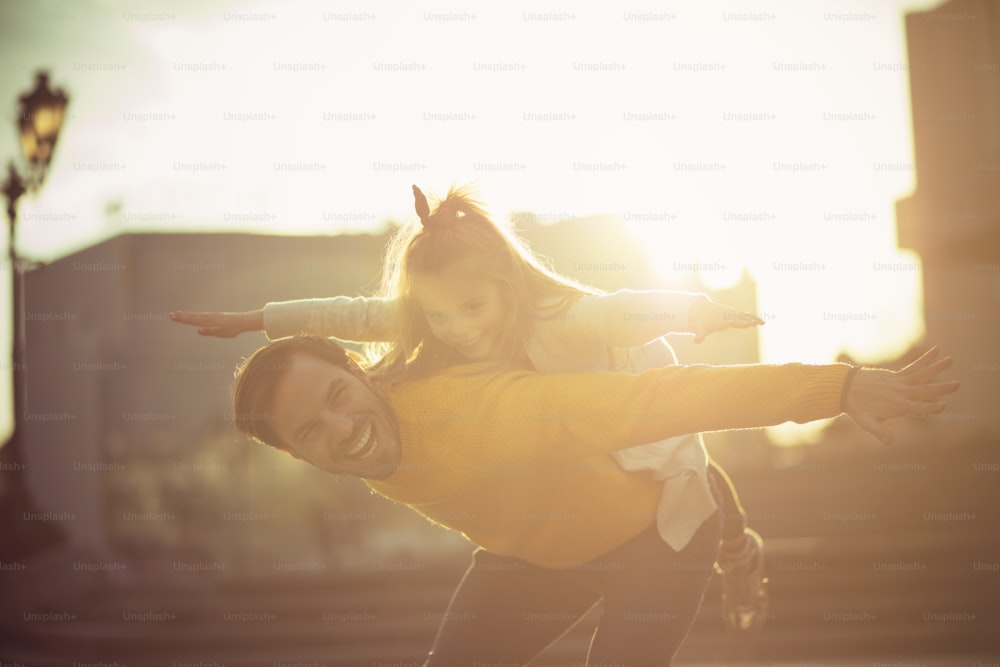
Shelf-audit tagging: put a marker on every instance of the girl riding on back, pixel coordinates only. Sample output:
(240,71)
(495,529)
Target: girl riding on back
(461,287)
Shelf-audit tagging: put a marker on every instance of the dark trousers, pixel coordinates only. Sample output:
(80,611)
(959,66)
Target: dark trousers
(734,517)
(505,611)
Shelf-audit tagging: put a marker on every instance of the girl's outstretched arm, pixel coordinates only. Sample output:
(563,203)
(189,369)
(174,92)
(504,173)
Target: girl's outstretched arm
(628,318)
(706,317)
(347,318)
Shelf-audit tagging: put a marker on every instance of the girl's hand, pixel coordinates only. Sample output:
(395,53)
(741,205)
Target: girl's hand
(707,317)
(221,325)
(876,394)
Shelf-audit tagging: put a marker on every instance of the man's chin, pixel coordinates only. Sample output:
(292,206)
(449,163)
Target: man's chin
(382,465)
(375,471)
(379,471)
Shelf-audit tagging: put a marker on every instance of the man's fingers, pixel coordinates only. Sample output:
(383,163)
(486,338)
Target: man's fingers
(928,373)
(924,360)
(924,408)
(927,392)
(876,428)
(919,401)
(935,408)
(928,356)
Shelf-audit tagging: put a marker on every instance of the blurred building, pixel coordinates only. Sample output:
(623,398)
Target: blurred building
(128,428)
(953,218)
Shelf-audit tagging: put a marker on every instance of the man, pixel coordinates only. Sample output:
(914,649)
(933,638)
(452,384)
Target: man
(519,463)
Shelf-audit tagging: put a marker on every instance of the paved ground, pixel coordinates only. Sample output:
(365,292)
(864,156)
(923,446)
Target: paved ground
(830,604)
(896,661)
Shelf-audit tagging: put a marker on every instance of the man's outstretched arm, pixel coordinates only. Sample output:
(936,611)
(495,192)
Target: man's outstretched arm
(523,416)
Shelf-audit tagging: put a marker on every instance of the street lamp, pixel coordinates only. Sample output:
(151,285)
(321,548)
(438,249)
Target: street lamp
(39,118)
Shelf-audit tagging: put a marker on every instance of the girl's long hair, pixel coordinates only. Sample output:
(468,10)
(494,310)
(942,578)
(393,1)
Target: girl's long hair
(460,227)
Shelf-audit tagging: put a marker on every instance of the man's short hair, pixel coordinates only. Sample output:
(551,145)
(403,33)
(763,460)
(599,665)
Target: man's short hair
(258,375)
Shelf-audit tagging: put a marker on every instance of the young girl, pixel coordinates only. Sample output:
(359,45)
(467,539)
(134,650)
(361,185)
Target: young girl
(461,287)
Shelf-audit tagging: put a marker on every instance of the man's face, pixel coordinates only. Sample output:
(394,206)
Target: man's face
(333,419)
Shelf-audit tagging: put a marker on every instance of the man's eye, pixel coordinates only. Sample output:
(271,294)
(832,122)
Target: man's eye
(474,307)
(435,317)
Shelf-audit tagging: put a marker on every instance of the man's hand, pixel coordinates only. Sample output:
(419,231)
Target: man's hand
(221,325)
(707,317)
(876,395)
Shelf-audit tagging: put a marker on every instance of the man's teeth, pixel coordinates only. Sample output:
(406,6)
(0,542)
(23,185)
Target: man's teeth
(362,443)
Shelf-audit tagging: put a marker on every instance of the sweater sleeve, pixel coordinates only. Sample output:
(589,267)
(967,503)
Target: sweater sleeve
(347,318)
(629,318)
(523,417)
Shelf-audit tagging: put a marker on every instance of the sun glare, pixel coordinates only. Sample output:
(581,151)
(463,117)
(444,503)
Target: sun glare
(774,147)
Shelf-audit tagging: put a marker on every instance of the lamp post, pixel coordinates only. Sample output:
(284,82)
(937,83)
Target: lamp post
(39,118)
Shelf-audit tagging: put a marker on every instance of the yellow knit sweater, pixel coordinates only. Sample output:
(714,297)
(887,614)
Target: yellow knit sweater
(519,461)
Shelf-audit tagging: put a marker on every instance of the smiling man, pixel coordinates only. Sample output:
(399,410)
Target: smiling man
(519,462)
(326,412)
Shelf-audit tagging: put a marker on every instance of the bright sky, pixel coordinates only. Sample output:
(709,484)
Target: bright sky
(774,136)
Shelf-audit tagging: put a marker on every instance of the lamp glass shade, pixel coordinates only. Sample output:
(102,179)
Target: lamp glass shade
(48,120)
(29,142)
(39,121)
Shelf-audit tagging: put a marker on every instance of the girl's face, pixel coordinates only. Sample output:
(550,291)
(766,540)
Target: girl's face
(466,313)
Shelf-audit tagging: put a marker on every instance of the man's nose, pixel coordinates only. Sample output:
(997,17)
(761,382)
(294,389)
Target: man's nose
(338,426)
